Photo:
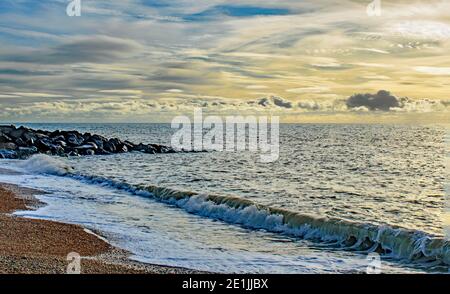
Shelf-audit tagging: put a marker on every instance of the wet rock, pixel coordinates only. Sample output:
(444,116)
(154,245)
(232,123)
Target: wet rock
(74,140)
(41,136)
(139,147)
(98,140)
(8,154)
(57,150)
(61,143)
(149,149)
(92,144)
(89,152)
(109,147)
(122,148)
(73,153)
(6,129)
(86,136)
(17,133)
(25,152)
(29,138)
(87,146)
(56,133)
(4,138)
(8,146)
(44,144)
(21,142)
(58,138)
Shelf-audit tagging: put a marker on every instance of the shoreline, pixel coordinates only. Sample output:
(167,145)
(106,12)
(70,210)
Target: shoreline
(34,246)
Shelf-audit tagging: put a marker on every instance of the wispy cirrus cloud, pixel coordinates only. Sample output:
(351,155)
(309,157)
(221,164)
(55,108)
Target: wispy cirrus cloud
(143,57)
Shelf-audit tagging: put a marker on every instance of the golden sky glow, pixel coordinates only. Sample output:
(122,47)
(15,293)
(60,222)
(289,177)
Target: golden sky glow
(138,61)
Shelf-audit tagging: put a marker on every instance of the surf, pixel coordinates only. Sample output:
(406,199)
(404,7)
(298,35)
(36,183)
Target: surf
(391,241)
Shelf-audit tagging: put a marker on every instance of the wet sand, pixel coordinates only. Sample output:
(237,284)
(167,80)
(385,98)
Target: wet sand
(41,247)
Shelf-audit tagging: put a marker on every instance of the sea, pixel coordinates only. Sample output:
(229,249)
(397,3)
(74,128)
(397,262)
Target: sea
(356,198)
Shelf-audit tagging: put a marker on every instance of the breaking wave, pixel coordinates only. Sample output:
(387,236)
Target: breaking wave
(395,242)
(44,164)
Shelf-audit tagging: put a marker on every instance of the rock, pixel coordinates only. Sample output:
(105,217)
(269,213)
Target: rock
(56,133)
(73,153)
(93,145)
(58,138)
(122,148)
(29,138)
(8,146)
(149,149)
(57,150)
(8,154)
(98,140)
(74,140)
(109,147)
(25,152)
(44,144)
(89,152)
(7,129)
(61,143)
(17,133)
(4,138)
(87,146)
(86,136)
(21,142)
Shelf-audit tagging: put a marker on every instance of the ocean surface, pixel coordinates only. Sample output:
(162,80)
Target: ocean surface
(336,194)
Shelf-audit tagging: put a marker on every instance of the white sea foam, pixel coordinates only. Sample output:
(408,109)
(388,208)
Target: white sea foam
(395,242)
(44,164)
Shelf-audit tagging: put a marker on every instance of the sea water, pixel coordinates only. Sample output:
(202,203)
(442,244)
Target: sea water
(336,194)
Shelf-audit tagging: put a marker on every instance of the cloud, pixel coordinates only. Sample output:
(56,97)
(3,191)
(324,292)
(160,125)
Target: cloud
(275,101)
(95,49)
(309,105)
(382,100)
(432,70)
(308,90)
(311,53)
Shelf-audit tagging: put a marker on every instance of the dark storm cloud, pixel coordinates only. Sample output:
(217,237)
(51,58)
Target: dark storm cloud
(383,100)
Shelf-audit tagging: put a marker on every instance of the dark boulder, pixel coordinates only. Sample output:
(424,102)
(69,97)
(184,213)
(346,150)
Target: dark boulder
(58,138)
(29,138)
(122,148)
(61,143)
(21,142)
(74,140)
(57,150)
(8,146)
(17,133)
(6,129)
(25,152)
(98,140)
(73,153)
(110,147)
(8,154)
(44,144)
(88,152)
(4,138)
(87,146)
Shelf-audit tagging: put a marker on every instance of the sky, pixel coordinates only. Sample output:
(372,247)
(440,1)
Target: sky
(148,61)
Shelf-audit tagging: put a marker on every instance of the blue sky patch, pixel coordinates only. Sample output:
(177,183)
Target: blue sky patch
(235,11)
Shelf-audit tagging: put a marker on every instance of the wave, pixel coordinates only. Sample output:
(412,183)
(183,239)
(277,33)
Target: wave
(395,242)
(44,164)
